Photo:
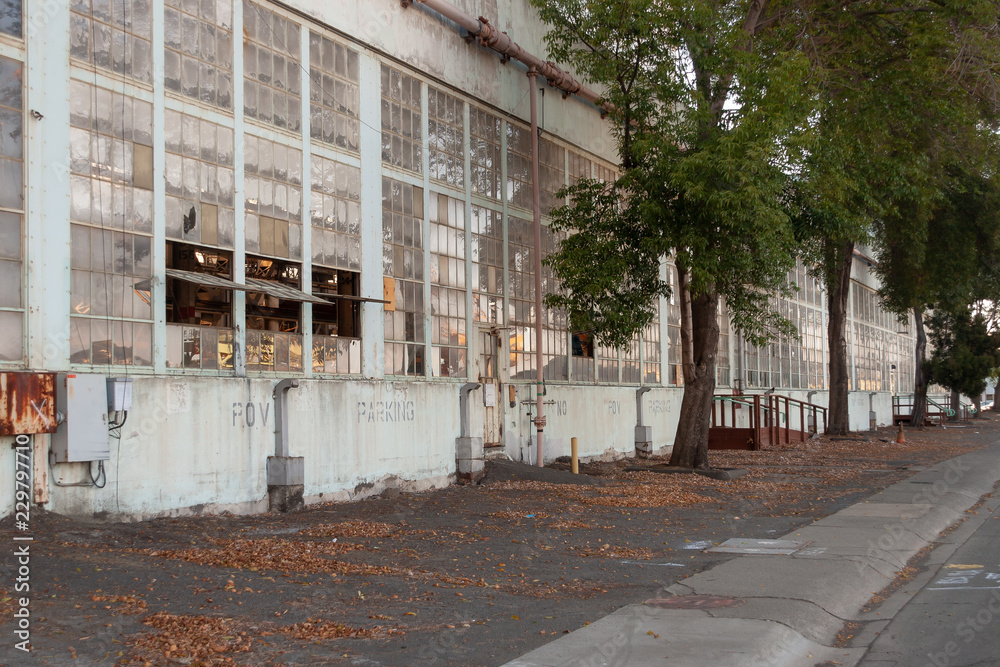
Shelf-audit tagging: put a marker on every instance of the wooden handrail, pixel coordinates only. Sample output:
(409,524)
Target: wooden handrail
(766,414)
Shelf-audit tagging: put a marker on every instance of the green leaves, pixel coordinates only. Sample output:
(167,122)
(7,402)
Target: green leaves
(609,265)
(965,352)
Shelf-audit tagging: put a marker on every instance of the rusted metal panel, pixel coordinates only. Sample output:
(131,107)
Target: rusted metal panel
(27,403)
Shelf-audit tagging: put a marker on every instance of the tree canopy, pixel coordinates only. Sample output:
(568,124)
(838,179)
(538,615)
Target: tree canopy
(965,353)
(749,132)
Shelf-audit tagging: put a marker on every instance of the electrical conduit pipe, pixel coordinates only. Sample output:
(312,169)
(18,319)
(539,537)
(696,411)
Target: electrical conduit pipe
(489,36)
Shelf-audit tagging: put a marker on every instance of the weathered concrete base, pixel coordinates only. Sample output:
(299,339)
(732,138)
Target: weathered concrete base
(285,483)
(281,498)
(644,441)
(470,458)
(365,489)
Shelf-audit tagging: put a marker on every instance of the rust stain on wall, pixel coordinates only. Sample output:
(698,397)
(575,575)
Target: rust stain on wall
(27,403)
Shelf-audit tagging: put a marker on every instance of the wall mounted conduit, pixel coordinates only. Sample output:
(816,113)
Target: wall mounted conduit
(489,36)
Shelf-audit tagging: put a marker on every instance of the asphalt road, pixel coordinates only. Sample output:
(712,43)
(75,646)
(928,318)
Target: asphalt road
(953,619)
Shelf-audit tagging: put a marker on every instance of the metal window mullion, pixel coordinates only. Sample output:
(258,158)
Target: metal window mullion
(505,226)
(239,198)
(158,289)
(425,316)
(305,211)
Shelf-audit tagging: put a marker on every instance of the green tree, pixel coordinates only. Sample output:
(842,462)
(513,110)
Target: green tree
(965,352)
(703,102)
(943,258)
(905,90)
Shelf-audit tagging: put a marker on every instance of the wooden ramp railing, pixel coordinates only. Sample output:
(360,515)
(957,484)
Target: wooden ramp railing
(935,412)
(753,420)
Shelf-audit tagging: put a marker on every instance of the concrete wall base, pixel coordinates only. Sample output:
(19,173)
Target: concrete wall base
(281,498)
(470,470)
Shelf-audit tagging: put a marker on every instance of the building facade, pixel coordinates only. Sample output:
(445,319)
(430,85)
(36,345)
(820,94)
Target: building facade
(205,198)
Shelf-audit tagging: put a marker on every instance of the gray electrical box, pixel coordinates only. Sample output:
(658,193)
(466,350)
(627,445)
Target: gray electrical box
(83,436)
(119,394)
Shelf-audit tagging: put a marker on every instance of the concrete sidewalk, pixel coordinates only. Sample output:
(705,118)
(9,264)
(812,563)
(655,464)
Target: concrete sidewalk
(785,609)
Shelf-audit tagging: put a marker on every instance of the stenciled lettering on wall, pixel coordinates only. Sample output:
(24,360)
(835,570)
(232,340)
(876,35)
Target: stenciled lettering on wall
(251,414)
(614,407)
(561,408)
(657,407)
(385,412)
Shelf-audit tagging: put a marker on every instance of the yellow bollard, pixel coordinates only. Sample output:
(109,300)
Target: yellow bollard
(574,459)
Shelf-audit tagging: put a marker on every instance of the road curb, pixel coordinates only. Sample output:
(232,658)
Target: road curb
(794,605)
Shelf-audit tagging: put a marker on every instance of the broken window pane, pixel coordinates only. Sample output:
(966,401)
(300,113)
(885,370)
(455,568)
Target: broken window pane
(199,180)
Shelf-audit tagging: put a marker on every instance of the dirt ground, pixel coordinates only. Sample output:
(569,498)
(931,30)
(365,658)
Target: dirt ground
(468,575)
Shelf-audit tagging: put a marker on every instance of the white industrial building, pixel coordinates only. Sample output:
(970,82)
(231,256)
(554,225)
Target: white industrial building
(204,198)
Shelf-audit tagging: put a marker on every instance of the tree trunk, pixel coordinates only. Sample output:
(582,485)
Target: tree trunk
(956,406)
(699,347)
(836,332)
(919,413)
(977,403)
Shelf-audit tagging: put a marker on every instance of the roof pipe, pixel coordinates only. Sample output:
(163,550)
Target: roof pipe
(489,36)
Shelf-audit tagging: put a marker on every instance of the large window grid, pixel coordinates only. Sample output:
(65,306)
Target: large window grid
(880,343)
(551,174)
(607,364)
(722,364)
(651,365)
(272,72)
(631,370)
(402,133)
(446,138)
(334,93)
(521,290)
(403,263)
(487,265)
(273,192)
(603,172)
(675,371)
(555,325)
(200,181)
(519,166)
(335,212)
(111,163)
(115,36)
(579,167)
(447,276)
(11,202)
(198,50)
(485,131)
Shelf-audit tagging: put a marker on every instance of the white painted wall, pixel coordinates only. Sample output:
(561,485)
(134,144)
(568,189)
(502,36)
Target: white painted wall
(602,418)
(433,46)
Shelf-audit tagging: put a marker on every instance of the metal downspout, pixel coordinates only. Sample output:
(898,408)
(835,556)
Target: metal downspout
(280,396)
(537,210)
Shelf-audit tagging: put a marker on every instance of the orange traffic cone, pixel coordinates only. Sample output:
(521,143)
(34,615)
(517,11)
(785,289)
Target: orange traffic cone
(900,438)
